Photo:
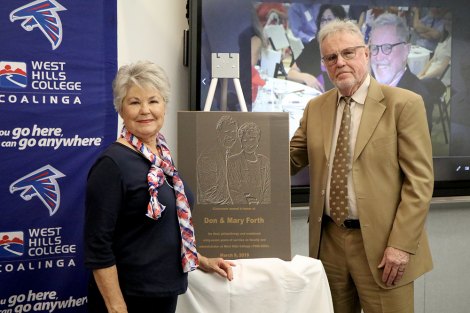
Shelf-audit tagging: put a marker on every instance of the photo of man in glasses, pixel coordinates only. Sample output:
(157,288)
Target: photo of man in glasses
(389,49)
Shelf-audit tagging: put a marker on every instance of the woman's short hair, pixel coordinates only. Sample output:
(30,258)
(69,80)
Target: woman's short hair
(249,128)
(338,12)
(337,26)
(142,74)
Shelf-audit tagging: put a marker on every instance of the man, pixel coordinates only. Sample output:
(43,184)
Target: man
(248,172)
(389,49)
(372,258)
(212,165)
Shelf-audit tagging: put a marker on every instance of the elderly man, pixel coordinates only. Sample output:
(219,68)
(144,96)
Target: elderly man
(368,149)
(389,49)
(212,164)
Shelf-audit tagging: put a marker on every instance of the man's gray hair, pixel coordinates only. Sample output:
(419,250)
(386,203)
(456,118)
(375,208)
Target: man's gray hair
(337,26)
(225,120)
(142,74)
(389,19)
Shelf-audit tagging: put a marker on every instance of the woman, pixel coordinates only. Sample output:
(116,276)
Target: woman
(248,172)
(438,64)
(308,68)
(137,207)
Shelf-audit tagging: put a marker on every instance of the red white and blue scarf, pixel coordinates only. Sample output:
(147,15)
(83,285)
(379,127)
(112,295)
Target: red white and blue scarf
(156,178)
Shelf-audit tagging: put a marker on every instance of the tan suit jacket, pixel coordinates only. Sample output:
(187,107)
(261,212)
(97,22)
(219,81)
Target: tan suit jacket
(392,173)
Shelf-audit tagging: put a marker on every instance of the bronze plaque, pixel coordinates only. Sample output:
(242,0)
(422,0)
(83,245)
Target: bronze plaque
(237,166)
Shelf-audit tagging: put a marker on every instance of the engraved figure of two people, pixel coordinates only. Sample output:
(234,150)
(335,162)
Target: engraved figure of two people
(228,177)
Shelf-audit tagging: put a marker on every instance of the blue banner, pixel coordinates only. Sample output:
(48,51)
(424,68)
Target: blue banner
(57,62)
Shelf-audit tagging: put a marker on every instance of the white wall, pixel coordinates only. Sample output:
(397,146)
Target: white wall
(153,30)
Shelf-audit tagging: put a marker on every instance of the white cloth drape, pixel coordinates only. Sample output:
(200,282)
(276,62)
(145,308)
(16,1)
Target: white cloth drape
(260,285)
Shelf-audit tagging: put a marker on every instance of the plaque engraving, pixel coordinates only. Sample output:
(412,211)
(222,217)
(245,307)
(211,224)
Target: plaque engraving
(237,165)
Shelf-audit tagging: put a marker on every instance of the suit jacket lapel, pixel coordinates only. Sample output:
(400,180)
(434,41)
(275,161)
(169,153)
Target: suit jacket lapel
(373,111)
(327,121)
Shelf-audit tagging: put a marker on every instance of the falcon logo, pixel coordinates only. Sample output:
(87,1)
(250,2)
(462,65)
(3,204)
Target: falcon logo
(42,14)
(41,183)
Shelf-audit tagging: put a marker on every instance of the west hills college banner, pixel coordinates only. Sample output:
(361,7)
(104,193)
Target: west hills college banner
(57,62)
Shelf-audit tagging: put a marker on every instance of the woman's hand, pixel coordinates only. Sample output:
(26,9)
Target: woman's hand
(108,284)
(295,74)
(217,265)
(312,81)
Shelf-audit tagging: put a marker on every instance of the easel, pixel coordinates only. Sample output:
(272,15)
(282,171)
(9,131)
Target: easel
(225,65)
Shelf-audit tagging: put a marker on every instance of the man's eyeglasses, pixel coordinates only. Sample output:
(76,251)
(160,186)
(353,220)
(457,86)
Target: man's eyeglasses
(347,54)
(386,48)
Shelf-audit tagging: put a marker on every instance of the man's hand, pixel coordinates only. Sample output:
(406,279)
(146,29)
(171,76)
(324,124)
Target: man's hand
(252,200)
(394,264)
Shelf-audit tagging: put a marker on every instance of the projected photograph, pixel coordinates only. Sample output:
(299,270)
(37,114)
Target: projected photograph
(410,47)
(417,45)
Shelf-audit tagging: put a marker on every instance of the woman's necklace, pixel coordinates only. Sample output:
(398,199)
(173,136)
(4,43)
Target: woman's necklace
(166,181)
(157,152)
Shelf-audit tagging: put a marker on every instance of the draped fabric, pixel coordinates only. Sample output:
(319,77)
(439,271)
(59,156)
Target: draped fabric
(161,166)
(260,285)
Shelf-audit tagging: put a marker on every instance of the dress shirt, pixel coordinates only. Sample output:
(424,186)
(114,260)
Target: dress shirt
(397,78)
(357,106)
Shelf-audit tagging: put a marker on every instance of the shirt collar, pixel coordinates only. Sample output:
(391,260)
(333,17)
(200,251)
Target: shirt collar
(397,77)
(360,95)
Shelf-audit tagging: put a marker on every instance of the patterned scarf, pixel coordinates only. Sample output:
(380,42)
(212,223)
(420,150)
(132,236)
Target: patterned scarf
(156,178)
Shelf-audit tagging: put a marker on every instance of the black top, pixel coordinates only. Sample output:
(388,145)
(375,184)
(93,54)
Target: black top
(309,61)
(411,82)
(118,232)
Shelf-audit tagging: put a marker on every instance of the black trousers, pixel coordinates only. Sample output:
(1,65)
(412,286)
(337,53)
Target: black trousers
(134,304)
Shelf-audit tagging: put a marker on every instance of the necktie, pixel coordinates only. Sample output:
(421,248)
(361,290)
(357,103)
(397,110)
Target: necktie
(339,175)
